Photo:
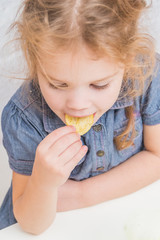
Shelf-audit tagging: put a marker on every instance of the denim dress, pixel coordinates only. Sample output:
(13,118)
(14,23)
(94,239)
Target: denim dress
(27,120)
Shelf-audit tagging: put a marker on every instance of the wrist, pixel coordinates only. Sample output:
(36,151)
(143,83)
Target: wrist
(83,194)
(70,196)
(78,195)
(36,181)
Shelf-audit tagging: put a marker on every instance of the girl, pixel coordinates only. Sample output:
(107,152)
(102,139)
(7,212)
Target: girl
(85,59)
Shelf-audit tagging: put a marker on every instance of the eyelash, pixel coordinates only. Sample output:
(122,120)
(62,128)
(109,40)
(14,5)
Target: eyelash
(92,85)
(100,87)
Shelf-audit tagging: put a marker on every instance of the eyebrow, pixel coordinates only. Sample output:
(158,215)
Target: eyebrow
(95,81)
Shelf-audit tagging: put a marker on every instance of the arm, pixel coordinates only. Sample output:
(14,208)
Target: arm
(34,206)
(130,176)
(137,172)
(35,197)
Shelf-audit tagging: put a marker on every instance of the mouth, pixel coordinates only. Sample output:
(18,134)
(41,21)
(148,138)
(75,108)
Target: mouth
(79,116)
(82,124)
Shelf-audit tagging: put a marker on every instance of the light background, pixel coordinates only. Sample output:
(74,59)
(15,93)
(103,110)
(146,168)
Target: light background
(12,63)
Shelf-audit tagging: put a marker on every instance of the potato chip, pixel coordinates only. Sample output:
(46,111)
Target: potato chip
(82,124)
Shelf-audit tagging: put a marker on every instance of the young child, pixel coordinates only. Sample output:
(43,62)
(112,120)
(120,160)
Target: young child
(89,66)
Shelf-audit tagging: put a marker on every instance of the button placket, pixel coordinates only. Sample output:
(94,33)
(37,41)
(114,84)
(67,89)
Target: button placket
(100,168)
(100,154)
(97,128)
(99,148)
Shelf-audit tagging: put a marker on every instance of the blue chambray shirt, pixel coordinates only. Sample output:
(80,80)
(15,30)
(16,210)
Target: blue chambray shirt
(26,121)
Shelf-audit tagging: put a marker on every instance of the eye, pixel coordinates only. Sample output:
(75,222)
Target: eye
(52,86)
(63,85)
(98,87)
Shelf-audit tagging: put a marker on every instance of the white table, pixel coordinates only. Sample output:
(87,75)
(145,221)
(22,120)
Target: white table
(133,217)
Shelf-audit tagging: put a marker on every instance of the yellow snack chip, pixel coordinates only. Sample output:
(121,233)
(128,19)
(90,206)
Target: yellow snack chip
(82,124)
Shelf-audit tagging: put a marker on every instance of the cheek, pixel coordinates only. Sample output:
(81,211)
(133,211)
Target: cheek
(54,100)
(106,100)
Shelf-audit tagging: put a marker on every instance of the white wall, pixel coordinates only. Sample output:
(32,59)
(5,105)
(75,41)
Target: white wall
(11,62)
(8,61)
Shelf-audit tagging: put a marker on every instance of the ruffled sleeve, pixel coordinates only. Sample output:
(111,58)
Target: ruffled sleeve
(20,138)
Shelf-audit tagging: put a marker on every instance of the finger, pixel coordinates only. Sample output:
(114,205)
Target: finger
(63,143)
(56,134)
(70,165)
(70,152)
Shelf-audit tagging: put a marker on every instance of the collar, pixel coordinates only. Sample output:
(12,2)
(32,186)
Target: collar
(122,103)
(123,100)
(50,120)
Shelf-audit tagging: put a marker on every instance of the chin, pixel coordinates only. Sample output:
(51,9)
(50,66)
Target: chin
(97,116)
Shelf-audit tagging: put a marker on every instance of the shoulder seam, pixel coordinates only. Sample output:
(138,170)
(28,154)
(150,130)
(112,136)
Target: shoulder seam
(35,124)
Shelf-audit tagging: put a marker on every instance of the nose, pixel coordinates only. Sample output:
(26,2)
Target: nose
(78,101)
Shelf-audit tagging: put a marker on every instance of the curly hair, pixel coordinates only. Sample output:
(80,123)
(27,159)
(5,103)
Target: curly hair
(108,28)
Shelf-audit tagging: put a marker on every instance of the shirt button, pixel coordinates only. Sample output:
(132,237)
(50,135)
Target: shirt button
(97,128)
(100,153)
(100,168)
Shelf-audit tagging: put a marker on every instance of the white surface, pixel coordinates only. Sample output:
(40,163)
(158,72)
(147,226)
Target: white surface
(134,217)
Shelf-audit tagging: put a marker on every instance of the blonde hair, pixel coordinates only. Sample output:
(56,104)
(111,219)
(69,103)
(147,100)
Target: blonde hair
(106,27)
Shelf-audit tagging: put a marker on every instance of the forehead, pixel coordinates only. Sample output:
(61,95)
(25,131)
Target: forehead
(82,64)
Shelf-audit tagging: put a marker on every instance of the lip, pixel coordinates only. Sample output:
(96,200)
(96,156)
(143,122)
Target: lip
(83,116)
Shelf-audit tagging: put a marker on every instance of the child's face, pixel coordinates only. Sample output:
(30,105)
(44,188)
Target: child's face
(80,86)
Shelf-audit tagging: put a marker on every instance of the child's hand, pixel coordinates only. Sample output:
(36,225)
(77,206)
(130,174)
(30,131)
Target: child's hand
(57,155)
